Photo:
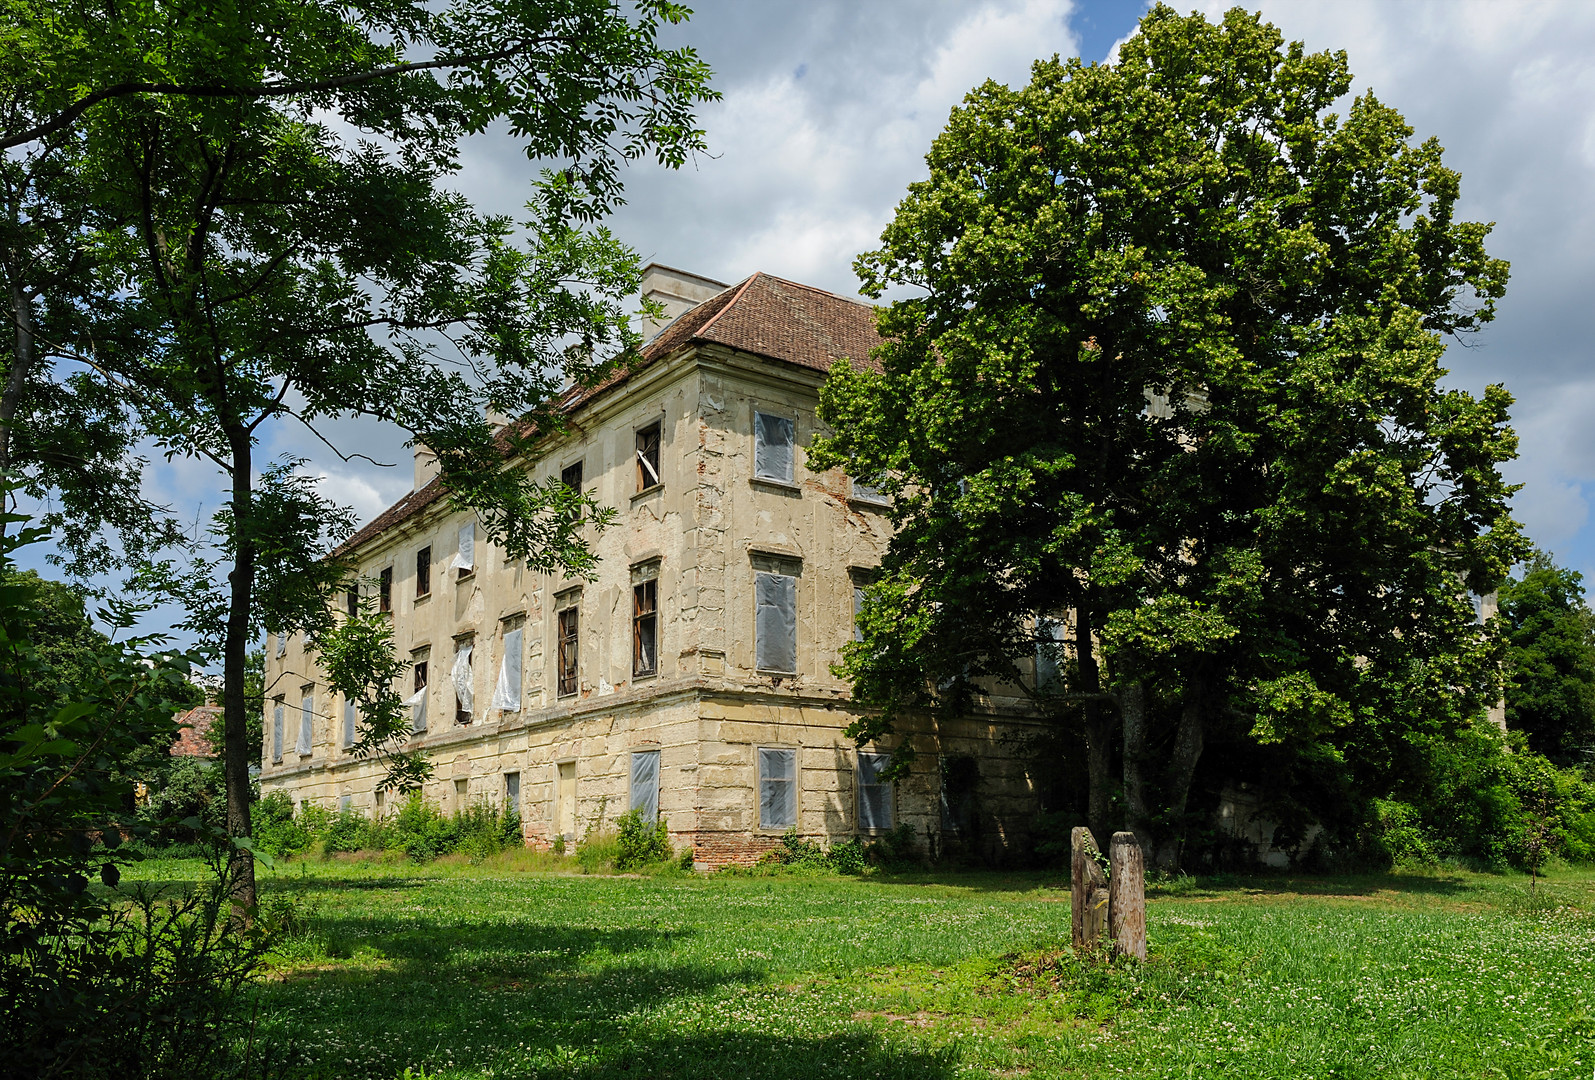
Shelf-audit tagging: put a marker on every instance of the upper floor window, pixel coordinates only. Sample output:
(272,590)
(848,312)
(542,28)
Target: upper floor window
(775,621)
(645,627)
(571,477)
(385,589)
(423,571)
(569,641)
(772,447)
(869,493)
(276,729)
(465,553)
(417,700)
(464,683)
(648,457)
(351,602)
(307,713)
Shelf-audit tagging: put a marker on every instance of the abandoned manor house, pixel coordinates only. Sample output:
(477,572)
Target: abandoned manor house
(692,680)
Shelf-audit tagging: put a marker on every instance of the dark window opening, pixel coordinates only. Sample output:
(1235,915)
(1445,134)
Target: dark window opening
(645,628)
(420,675)
(571,477)
(648,458)
(385,589)
(568,627)
(423,571)
(352,602)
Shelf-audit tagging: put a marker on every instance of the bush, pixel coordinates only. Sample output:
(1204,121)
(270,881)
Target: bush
(894,850)
(1398,834)
(184,788)
(640,843)
(844,857)
(597,851)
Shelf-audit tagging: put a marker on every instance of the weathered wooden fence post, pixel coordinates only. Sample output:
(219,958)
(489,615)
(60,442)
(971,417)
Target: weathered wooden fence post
(1127,896)
(1088,896)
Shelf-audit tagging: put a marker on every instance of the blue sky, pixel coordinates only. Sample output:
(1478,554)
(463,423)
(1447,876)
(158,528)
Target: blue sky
(830,105)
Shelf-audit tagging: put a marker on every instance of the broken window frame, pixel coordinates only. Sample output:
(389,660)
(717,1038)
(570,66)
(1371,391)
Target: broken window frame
(645,627)
(417,701)
(567,652)
(466,541)
(423,572)
(512,643)
(464,645)
(650,438)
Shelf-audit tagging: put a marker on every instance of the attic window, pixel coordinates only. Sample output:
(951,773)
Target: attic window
(648,457)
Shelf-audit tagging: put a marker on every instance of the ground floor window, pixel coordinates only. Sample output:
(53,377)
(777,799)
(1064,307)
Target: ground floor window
(777,787)
(645,783)
(874,794)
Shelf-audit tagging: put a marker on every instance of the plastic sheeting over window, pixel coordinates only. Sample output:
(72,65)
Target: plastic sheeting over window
(507,694)
(282,644)
(307,712)
(874,794)
(645,783)
(869,493)
(276,733)
(348,722)
(775,623)
(465,555)
(464,692)
(777,788)
(772,447)
(858,609)
(417,703)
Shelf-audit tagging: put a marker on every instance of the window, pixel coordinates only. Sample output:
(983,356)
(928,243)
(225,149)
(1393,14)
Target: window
(465,553)
(512,794)
(385,589)
(869,493)
(775,623)
(645,783)
(772,447)
(858,609)
(777,788)
(417,701)
(276,730)
(1049,652)
(568,641)
(307,713)
(648,457)
(571,476)
(282,644)
(348,722)
(423,572)
(462,790)
(874,794)
(507,692)
(645,628)
(464,688)
(351,602)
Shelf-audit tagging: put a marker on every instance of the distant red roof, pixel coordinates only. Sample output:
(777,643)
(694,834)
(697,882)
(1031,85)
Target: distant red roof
(764,315)
(195,723)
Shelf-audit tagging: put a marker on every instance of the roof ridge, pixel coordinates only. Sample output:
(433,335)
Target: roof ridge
(729,304)
(822,292)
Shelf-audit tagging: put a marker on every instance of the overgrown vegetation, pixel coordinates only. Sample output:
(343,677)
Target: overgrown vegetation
(419,829)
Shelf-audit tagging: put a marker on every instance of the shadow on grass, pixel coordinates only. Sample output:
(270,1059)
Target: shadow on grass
(1285,884)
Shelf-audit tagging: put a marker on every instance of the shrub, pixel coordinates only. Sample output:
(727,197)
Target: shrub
(640,843)
(597,851)
(844,857)
(1398,834)
(347,831)
(895,849)
(421,831)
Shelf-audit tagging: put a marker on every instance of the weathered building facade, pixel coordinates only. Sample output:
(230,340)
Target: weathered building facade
(692,679)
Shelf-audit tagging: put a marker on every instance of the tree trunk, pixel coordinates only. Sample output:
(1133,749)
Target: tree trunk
(1098,730)
(1182,767)
(237,753)
(1137,811)
(21,365)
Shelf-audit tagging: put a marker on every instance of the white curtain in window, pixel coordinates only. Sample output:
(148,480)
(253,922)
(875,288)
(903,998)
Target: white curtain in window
(507,694)
(874,794)
(775,622)
(306,713)
(417,703)
(777,788)
(462,678)
(348,722)
(465,554)
(645,783)
(276,733)
(772,447)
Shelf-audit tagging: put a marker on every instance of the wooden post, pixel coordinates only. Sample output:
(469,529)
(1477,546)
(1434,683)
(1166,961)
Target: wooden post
(1127,896)
(1088,897)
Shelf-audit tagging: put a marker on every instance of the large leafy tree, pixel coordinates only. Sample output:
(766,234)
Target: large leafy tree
(1550,661)
(1169,374)
(271,236)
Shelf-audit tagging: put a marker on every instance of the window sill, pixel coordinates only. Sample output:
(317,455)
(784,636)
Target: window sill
(644,676)
(647,491)
(775,674)
(784,487)
(466,576)
(868,504)
(422,596)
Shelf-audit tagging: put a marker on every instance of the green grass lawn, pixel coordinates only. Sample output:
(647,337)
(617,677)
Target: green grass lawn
(492,971)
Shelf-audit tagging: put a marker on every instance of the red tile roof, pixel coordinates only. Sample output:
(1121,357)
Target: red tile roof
(764,315)
(194,724)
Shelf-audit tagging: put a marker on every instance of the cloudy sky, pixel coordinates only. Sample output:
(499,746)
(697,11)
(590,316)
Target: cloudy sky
(830,105)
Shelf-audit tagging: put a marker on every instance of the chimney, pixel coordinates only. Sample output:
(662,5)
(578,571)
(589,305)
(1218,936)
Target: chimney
(677,291)
(426,465)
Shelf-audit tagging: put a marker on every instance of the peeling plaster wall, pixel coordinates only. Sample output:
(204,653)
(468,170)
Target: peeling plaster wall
(707,709)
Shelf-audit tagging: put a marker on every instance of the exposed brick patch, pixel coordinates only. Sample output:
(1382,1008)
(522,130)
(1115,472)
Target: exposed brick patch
(716,849)
(194,724)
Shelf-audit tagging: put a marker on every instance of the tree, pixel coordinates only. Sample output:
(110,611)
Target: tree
(1171,376)
(1550,661)
(254,259)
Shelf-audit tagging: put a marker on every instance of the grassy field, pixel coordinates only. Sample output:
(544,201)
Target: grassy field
(498,970)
